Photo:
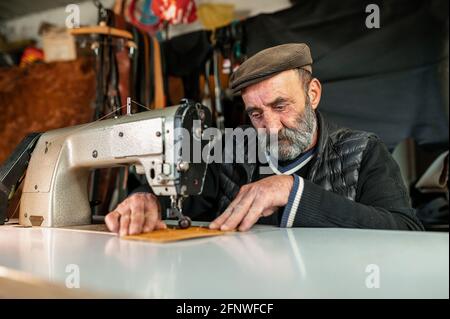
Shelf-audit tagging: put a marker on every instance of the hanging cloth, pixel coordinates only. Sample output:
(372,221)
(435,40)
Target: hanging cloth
(150,28)
(147,74)
(147,16)
(175,11)
(160,101)
(214,16)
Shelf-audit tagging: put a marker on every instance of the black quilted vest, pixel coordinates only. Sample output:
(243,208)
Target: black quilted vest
(335,167)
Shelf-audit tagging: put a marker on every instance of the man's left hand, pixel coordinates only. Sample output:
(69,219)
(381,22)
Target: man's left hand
(255,200)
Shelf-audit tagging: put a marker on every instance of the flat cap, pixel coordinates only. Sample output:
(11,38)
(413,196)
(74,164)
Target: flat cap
(269,62)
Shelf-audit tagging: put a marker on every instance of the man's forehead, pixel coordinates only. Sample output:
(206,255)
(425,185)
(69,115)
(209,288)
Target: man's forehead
(278,85)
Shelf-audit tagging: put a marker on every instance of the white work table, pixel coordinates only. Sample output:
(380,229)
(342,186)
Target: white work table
(266,262)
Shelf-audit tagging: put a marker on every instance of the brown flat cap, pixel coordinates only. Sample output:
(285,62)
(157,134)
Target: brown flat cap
(269,62)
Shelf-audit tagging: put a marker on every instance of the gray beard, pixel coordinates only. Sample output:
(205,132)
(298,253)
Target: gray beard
(294,141)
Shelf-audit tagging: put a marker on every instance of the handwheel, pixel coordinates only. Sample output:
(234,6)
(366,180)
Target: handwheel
(184,222)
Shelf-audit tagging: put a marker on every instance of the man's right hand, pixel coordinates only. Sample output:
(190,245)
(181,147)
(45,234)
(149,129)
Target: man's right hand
(139,213)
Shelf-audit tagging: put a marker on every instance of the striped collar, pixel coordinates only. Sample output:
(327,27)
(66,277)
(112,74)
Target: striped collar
(294,166)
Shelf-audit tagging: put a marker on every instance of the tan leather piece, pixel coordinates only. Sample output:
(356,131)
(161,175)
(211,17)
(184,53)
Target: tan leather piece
(175,234)
(160,101)
(147,101)
(42,97)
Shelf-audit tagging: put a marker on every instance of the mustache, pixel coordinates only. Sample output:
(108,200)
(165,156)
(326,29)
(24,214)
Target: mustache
(287,134)
(290,134)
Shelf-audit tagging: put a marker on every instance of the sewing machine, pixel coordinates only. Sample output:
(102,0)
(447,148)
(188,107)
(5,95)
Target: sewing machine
(55,191)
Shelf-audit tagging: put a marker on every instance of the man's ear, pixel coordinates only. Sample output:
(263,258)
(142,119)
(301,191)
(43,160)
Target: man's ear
(315,92)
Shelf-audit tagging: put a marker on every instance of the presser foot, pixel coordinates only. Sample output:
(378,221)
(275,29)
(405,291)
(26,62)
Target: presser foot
(176,211)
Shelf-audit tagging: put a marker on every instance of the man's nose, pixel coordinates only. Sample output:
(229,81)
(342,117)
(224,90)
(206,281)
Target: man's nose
(272,123)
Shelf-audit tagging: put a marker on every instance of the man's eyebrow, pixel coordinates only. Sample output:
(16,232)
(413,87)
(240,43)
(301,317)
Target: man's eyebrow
(251,109)
(278,100)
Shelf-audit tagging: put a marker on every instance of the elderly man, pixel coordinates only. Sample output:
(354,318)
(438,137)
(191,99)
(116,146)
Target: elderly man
(327,176)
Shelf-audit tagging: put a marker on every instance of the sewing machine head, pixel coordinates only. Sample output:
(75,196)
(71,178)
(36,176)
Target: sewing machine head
(156,142)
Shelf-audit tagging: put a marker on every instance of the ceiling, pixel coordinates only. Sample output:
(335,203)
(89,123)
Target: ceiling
(17,8)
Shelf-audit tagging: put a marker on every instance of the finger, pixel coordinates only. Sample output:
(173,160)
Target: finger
(112,221)
(160,225)
(137,216)
(239,211)
(218,222)
(124,219)
(151,214)
(253,215)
